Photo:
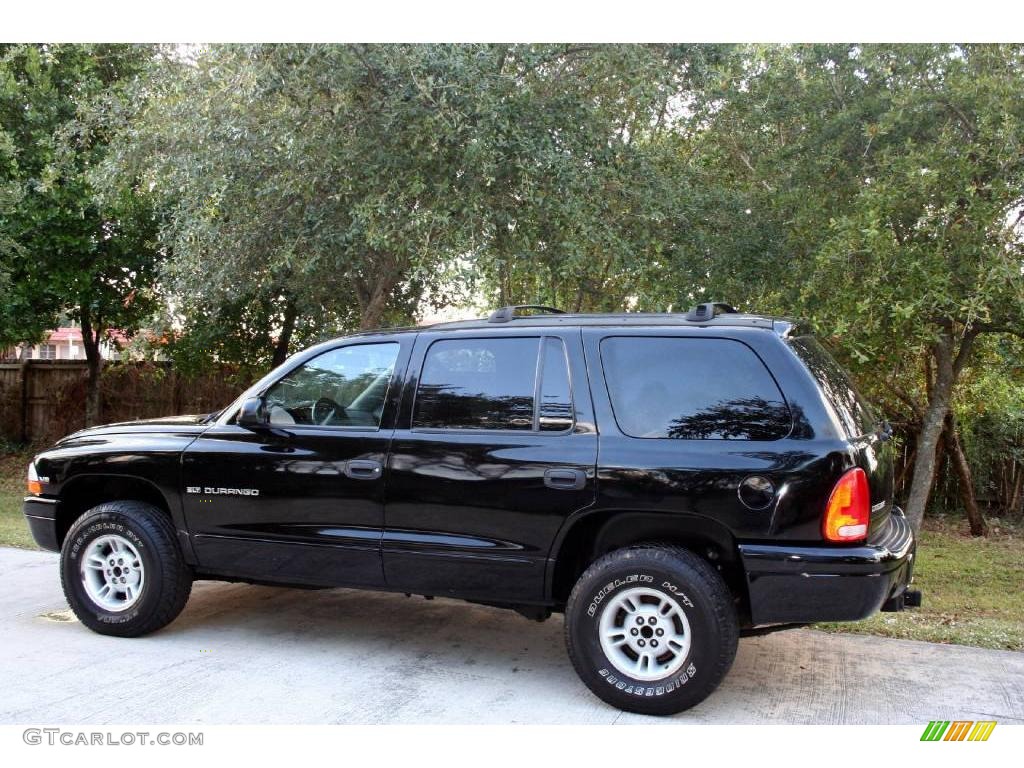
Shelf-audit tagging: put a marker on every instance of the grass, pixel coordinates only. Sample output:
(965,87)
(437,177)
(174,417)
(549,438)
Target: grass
(973,588)
(13,528)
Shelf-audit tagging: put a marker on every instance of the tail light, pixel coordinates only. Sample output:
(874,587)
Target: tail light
(35,485)
(849,508)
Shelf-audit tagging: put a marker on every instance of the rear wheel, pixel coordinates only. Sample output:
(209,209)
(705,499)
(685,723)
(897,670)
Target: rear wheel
(122,570)
(651,629)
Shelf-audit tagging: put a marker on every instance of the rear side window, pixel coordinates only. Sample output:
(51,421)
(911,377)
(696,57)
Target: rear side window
(693,389)
(500,383)
(855,415)
(556,408)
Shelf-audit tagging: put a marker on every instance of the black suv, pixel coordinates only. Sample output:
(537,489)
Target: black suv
(665,480)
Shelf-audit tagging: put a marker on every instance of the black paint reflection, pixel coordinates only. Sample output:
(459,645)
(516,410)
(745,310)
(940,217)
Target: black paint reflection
(441,406)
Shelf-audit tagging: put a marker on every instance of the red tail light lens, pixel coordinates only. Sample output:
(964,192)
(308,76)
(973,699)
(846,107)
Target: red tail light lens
(849,508)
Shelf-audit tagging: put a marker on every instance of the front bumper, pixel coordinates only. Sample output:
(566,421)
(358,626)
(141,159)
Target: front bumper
(41,515)
(807,584)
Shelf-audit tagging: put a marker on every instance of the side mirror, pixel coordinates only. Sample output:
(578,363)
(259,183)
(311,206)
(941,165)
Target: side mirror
(253,414)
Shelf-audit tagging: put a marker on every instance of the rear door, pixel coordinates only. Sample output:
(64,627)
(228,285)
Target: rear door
(495,448)
(694,424)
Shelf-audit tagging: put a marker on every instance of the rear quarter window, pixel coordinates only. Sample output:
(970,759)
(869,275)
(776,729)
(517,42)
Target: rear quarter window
(855,415)
(692,388)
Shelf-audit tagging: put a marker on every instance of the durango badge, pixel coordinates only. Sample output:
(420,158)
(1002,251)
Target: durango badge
(207,491)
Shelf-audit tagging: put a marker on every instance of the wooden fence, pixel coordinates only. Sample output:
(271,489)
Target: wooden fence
(42,400)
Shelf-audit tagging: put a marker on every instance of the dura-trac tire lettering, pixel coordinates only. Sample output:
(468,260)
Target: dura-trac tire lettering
(141,529)
(665,579)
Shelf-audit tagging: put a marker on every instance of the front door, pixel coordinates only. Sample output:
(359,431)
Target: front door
(301,501)
(495,449)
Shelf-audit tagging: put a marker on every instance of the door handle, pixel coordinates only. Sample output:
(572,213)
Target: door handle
(565,479)
(363,469)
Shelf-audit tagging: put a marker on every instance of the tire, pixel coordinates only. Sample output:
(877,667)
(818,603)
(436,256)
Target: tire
(134,545)
(680,604)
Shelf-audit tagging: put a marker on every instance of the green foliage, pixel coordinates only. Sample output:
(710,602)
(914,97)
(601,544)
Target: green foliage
(929,238)
(303,190)
(321,179)
(13,527)
(882,179)
(63,253)
(990,411)
(242,331)
(356,183)
(584,202)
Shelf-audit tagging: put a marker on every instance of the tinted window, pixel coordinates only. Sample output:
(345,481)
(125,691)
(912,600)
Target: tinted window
(697,389)
(345,387)
(856,416)
(478,384)
(556,412)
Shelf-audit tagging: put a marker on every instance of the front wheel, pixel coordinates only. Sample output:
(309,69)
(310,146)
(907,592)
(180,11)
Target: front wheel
(122,569)
(651,629)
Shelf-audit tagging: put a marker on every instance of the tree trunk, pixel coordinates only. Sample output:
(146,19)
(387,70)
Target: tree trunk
(901,477)
(91,335)
(966,481)
(940,462)
(947,369)
(285,339)
(373,300)
(1015,497)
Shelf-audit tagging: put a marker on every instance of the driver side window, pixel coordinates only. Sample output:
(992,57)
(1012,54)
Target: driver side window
(344,387)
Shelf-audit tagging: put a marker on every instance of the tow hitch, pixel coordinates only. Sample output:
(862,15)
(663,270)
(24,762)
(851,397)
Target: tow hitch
(908,598)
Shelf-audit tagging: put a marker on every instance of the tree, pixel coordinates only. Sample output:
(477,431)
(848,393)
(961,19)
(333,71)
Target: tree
(888,180)
(577,158)
(932,234)
(72,256)
(352,183)
(989,415)
(320,180)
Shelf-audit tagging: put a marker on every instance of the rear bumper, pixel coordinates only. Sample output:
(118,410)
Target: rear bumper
(808,584)
(41,515)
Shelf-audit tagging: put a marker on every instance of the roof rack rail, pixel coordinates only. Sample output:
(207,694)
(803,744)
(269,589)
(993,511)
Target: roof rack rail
(505,314)
(708,311)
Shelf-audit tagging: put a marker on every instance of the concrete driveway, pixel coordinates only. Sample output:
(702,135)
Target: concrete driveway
(245,654)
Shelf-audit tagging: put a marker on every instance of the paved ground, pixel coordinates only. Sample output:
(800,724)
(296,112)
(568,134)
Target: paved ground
(245,654)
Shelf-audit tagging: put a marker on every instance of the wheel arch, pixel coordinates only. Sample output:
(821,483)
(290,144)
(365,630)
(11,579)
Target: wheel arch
(599,532)
(84,492)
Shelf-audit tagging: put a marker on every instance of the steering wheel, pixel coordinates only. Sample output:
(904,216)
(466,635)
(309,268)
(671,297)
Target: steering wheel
(324,410)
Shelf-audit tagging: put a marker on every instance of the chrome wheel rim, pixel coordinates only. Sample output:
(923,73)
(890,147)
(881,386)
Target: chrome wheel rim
(645,634)
(112,573)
